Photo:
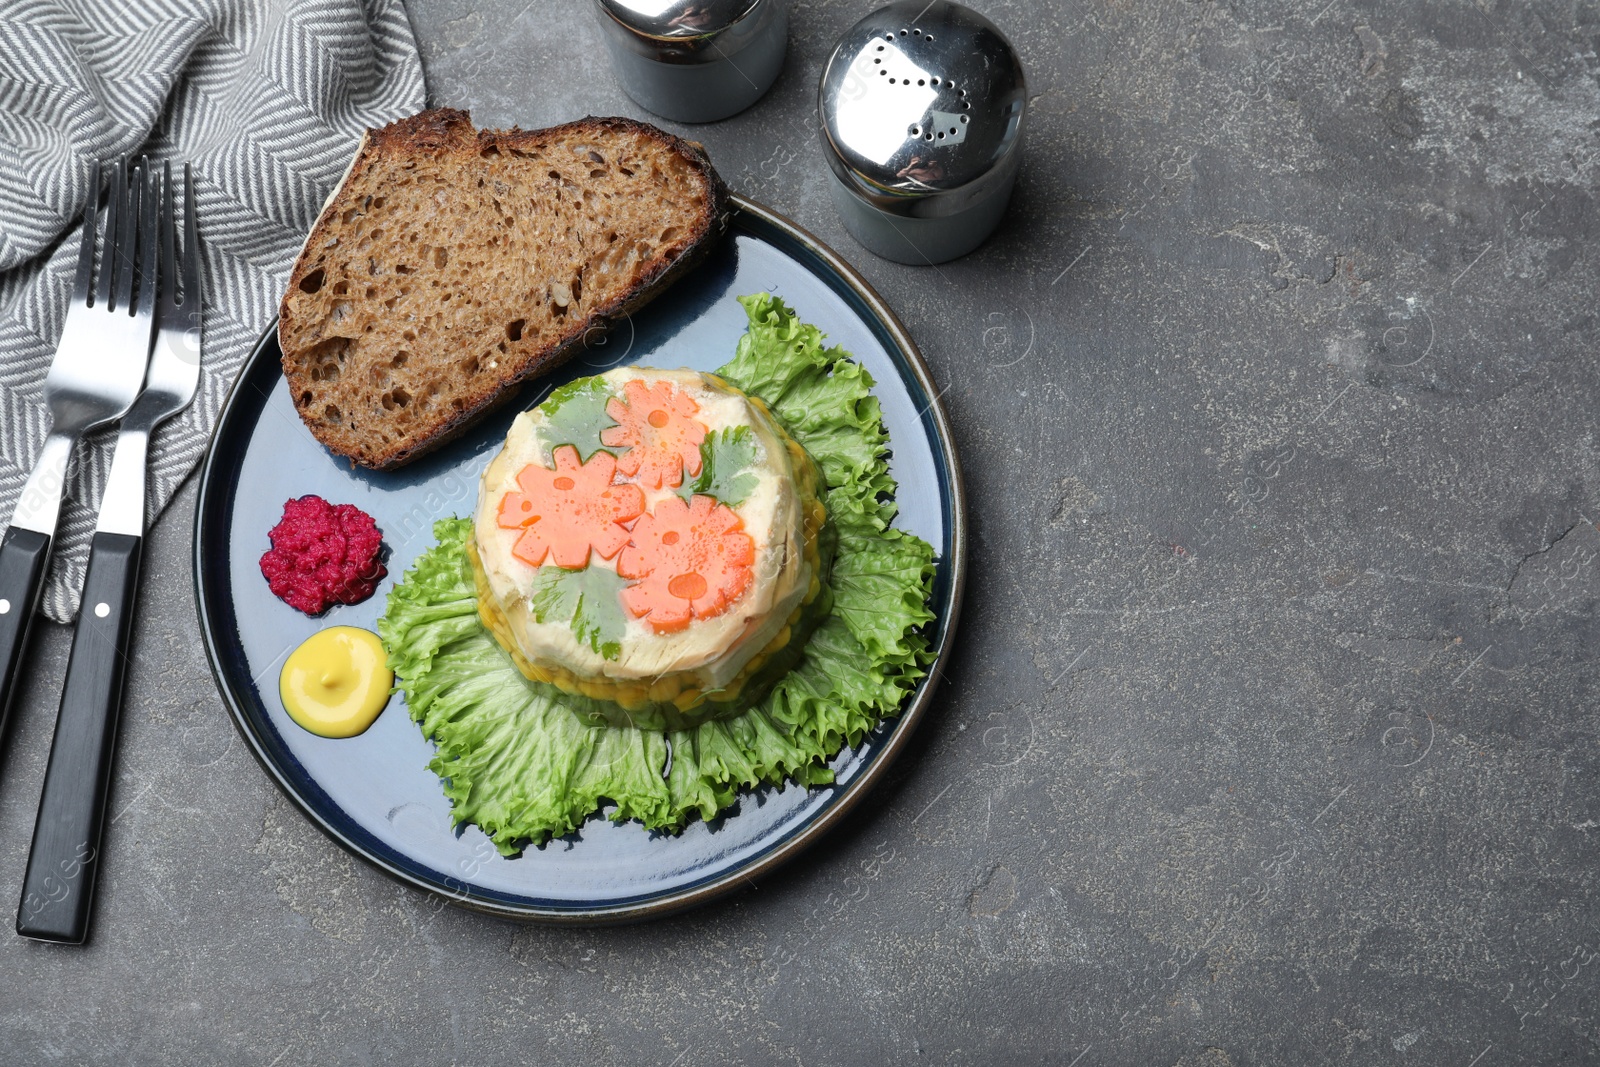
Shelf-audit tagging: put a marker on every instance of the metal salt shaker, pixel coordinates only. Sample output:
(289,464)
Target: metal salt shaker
(695,60)
(922,108)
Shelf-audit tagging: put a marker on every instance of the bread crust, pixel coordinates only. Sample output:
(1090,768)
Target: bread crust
(447,134)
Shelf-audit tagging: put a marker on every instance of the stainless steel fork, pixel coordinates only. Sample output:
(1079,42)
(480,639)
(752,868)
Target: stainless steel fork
(58,890)
(99,364)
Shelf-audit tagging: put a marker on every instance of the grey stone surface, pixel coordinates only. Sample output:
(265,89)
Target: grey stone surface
(1268,737)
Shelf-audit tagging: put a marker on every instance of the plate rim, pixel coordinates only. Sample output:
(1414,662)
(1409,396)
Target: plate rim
(810,832)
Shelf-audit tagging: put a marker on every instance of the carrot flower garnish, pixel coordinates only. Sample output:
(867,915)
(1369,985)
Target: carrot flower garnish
(692,561)
(659,431)
(568,511)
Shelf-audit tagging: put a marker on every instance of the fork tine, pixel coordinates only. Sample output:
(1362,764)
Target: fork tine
(91,215)
(191,246)
(125,248)
(109,245)
(152,223)
(127,242)
(169,223)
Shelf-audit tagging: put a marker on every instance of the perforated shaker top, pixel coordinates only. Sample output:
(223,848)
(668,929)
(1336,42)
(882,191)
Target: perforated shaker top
(677,18)
(921,98)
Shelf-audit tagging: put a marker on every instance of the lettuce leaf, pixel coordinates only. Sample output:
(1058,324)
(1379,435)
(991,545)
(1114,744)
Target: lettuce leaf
(522,767)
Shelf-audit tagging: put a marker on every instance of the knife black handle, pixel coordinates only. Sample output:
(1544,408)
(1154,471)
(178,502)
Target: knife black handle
(24,554)
(58,890)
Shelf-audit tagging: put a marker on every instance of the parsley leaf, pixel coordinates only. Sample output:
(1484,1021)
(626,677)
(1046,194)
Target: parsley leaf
(725,461)
(576,414)
(589,599)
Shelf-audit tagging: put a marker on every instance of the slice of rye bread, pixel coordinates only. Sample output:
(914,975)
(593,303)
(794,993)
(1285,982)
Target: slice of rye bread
(453,263)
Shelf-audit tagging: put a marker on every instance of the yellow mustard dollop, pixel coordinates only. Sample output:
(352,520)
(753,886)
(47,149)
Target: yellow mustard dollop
(336,682)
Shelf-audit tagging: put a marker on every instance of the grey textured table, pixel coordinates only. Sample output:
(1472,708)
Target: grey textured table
(1267,739)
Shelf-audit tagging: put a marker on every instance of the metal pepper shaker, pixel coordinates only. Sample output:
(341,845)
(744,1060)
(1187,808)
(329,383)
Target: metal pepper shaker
(695,60)
(922,107)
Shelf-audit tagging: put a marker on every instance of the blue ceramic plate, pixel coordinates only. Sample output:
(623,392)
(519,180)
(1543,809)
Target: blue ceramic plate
(374,794)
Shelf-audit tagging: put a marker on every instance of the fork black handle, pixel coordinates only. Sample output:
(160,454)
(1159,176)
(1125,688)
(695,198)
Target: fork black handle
(24,554)
(58,890)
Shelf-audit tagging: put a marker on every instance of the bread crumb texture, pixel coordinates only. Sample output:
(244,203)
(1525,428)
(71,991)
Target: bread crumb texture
(453,263)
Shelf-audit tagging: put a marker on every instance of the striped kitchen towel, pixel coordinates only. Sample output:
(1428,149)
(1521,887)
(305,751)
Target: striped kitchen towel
(266,98)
